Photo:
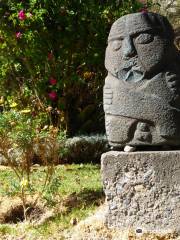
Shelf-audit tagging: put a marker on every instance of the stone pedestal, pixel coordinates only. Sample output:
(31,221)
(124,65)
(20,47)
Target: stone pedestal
(142,190)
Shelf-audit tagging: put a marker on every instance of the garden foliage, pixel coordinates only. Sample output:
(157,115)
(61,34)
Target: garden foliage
(84,149)
(20,138)
(52,54)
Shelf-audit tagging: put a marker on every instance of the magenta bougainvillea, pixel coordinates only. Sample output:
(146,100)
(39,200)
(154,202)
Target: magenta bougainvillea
(21,15)
(18,35)
(53,95)
(52,81)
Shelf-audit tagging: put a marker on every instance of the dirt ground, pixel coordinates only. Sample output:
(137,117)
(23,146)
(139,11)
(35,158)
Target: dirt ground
(93,228)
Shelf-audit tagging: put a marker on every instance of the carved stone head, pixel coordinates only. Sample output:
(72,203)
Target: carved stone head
(141,92)
(138,46)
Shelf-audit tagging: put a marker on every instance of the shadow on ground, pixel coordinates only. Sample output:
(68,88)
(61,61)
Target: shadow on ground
(85,198)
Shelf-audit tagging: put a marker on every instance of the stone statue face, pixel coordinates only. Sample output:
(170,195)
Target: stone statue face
(136,47)
(142,88)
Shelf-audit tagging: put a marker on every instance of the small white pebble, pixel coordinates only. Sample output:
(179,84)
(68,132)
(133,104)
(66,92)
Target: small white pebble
(129,149)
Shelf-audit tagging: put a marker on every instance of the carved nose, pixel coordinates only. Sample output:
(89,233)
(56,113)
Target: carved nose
(128,48)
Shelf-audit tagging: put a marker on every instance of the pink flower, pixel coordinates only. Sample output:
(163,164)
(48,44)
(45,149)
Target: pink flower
(52,95)
(33,113)
(18,35)
(52,81)
(22,15)
(50,56)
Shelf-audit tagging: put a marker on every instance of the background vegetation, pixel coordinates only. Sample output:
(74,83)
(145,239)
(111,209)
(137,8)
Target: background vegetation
(51,80)
(52,58)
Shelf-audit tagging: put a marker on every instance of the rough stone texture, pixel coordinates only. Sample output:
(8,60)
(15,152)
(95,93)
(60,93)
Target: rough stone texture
(94,228)
(142,89)
(142,190)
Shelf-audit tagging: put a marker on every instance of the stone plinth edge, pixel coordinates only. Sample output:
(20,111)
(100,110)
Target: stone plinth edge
(142,190)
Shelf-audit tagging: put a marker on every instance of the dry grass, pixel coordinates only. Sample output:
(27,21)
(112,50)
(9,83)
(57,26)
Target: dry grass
(11,211)
(76,193)
(93,228)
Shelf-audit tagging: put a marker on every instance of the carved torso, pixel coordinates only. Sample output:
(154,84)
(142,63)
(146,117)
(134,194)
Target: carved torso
(142,89)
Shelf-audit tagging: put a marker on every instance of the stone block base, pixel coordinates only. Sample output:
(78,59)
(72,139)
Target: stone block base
(142,190)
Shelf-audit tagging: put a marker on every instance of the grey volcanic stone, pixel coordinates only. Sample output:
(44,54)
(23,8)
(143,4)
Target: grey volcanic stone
(142,89)
(142,190)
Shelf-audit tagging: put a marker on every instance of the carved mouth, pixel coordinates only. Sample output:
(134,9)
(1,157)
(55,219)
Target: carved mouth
(130,74)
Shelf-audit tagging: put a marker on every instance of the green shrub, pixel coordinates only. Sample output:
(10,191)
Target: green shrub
(85,149)
(19,134)
(52,54)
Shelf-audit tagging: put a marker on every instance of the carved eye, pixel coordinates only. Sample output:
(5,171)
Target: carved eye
(144,38)
(116,45)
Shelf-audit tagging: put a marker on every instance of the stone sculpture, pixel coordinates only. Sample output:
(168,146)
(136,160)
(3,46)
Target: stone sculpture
(142,89)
